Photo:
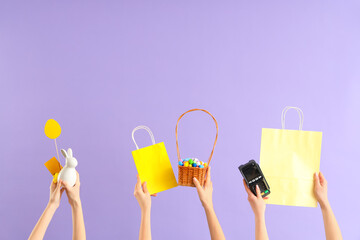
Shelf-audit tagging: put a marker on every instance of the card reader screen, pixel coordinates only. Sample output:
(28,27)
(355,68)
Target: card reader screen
(251,173)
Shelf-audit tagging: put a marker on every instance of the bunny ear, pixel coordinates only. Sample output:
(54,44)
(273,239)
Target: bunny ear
(64,153)
(70,152)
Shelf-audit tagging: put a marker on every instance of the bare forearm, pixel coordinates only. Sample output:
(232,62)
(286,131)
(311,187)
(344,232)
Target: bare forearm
(40,228)
(78,221)
(145,227)
(332,229)
(260,228)
(216,231)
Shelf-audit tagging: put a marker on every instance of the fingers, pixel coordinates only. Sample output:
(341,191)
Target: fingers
(247,189)
(145,188)
(58,185)
(77,178)
(197,183)
(66,185)
(56,188)
(198,186)
(154,195)
(61,191)
(258,193)
(322,179)
(138,183)
(316,179)
(52,186)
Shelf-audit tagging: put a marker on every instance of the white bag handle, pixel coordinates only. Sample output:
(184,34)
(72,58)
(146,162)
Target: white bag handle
(301,116)
(145,128)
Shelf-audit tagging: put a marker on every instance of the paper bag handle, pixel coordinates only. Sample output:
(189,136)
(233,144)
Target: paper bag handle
(301,116)
(176,132)
(145,128)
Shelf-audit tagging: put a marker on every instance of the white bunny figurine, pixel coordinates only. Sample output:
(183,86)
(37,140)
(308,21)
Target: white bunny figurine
(68,173)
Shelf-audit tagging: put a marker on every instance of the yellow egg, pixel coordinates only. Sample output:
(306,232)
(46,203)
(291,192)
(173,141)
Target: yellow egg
(52,129)
(186,164)
(205,164)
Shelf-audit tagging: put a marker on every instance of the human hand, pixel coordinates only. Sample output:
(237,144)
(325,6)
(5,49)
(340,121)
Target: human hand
(73,192)
(55,194)
(142,195)
(320,189)
(257,203)
(205,193)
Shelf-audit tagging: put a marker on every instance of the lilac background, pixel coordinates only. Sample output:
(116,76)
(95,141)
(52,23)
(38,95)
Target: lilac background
(101,68)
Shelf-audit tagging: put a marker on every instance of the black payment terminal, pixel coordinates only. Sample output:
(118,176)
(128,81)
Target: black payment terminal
(253,176)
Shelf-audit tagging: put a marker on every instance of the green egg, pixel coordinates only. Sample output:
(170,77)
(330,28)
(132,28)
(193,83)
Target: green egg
(191,161)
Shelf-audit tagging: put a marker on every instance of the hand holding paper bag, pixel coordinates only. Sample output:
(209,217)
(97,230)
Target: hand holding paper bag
(289,159)
(153,165)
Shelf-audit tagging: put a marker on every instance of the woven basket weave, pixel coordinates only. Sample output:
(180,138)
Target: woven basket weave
(186,174)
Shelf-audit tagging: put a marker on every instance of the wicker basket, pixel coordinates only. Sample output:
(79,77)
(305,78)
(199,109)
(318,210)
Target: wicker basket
(186,174)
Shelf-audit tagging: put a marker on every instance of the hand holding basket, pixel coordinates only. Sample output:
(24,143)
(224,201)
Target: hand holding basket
(188,172)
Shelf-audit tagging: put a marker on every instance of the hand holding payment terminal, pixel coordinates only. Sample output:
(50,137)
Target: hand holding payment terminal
(253,176)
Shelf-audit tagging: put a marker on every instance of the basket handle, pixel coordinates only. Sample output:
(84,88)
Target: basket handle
(145,128)
(176,132)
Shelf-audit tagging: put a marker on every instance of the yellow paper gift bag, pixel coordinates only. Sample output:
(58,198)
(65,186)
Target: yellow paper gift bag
(289,159)
(153,165)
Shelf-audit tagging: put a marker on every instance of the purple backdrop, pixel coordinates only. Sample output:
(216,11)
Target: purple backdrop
(100,68)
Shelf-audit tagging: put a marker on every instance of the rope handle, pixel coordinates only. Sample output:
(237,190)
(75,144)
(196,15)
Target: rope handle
(145,128)
(301,116)
(176,132)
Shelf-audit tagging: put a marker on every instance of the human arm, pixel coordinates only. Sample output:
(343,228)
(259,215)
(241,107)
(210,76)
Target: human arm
(258,206)
(39,230)
(143,197)
(205,196)
(73,193)
(332,229)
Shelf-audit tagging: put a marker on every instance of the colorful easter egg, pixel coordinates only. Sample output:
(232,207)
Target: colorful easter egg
(194,165)
(201,166)
(186,164)
(181,163)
